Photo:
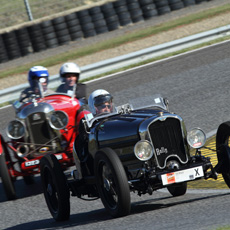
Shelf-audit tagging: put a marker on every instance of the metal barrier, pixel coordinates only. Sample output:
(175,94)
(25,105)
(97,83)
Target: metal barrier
(88,71)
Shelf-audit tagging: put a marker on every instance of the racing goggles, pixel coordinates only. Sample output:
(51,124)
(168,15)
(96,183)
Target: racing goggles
(104,106)
(100,100)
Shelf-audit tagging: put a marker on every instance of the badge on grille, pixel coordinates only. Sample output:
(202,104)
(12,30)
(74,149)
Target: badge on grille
(36,117)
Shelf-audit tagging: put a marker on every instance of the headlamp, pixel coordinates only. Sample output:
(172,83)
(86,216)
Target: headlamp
(196,138)
(143,150)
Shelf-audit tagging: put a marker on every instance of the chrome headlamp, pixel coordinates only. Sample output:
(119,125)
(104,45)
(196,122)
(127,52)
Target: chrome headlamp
(58,120)
(15,129)
(196,138)
(143,150)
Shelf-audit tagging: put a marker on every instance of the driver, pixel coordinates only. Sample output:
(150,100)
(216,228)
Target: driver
(36,74)
(70,75)
(100,101)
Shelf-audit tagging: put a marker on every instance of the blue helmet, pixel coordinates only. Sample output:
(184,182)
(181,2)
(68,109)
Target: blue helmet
(36,73)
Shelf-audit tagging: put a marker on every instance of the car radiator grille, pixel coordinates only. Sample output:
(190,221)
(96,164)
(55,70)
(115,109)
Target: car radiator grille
(167,140)
(39,129)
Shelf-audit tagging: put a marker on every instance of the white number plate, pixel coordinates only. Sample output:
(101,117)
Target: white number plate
(183,175)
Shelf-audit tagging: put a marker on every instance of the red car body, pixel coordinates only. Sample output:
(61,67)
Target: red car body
(49,125)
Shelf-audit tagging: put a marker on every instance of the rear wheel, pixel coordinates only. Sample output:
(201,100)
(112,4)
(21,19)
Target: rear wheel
(178,189)
(112,183)
(55,188)
(6,178)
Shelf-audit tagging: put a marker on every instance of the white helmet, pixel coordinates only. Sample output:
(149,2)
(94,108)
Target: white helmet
(69,67)
(98,97)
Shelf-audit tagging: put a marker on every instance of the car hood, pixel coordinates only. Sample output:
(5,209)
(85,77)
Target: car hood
(123,129)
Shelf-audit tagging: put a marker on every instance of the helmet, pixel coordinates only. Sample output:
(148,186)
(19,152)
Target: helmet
(37,72)
(98,97)
(69,67)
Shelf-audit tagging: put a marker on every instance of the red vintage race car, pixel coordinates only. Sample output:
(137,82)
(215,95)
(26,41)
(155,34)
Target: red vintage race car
(43,125)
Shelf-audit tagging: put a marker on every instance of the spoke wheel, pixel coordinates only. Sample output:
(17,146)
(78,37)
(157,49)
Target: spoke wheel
(112,183)
(55,188)
(178,189)
(7,182)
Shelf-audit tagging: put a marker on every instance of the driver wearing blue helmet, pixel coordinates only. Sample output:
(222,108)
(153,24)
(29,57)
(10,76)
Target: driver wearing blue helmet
(36,75)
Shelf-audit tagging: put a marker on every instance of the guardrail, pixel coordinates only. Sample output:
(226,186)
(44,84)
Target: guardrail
(91,70)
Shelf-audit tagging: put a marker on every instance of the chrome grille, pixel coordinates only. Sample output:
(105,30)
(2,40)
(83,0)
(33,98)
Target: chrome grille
(167,139)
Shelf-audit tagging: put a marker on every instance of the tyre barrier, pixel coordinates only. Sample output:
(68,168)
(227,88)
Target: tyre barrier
(83,24)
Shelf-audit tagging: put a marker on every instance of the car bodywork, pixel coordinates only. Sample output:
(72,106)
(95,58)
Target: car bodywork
(139,148)
(42,125)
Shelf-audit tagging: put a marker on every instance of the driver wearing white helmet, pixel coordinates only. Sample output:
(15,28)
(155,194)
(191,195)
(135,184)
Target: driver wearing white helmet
(70,75)
(100,101)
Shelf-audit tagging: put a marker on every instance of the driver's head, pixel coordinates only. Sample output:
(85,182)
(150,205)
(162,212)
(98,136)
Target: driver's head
(70,73)
(38,74)
(100,101)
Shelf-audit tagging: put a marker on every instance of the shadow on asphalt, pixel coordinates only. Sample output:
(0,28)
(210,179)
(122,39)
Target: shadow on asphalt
(100,215)
(23,190)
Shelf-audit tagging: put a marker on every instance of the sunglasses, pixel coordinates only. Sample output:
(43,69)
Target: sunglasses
(104,106)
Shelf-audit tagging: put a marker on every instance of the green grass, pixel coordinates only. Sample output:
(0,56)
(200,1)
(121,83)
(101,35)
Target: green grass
(137,35)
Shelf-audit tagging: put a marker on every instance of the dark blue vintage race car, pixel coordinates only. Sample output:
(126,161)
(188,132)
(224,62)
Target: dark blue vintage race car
(139,148)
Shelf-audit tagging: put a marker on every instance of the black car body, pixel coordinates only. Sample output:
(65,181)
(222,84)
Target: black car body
(137,148)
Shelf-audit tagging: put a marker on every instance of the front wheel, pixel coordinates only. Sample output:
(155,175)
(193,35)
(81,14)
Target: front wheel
(223,150)
(6,178)
(177,189)
(112,183)
(55,188)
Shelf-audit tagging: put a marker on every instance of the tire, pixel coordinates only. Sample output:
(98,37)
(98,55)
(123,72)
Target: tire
(77,35)
(52,43)
(6,178)
(163,10)
(178,189)
(177,6)
(112,183)
(223,149)
(113,26)
(146,2)
(55,188)
(100,23)
(83,13)
(58,20)
(223,134)
(133,6)
(200,1)
(119,3)
(101,30)
(97,17)
(95,10)
(161,3)
(189,2)
(138,19)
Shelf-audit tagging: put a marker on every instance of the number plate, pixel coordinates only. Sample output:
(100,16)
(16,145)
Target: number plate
(183,175)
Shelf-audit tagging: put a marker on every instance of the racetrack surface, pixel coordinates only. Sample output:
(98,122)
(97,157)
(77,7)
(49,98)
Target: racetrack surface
(196,85)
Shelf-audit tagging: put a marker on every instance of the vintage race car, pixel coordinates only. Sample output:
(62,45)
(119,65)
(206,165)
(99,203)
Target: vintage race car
(42,125)
(140,147)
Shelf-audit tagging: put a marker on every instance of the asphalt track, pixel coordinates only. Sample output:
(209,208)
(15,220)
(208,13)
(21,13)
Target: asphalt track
(197,87)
